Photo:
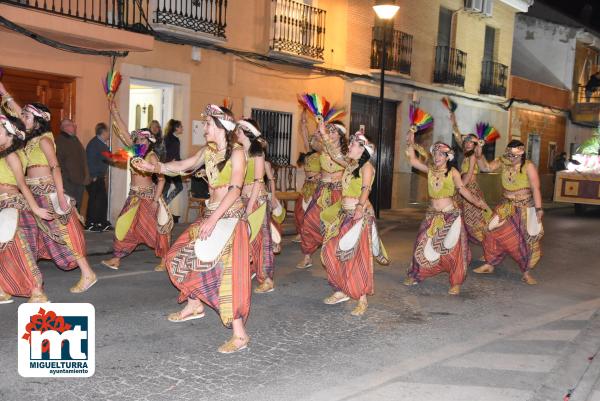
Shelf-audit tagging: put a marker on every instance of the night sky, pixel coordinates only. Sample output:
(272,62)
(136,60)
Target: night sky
(575,9)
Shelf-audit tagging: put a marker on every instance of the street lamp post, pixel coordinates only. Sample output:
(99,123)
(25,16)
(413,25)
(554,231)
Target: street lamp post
(385,10)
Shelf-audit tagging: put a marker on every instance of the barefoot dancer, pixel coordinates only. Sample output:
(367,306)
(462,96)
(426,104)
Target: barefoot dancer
(19,273)
(351,238)
(516,225)
(442,244)
(145,217)
(210,263)
(257,206)
(60,239)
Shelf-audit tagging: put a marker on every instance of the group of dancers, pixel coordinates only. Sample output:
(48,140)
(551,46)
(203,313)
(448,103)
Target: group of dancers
(238,233)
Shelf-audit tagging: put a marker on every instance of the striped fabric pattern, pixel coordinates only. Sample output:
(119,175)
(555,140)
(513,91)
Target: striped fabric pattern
(143,230)
(262,258)
(226,286)
(311,234)
(512,239)
(64,244)
(454,262)
(353,276)
(474,217)
(19,273)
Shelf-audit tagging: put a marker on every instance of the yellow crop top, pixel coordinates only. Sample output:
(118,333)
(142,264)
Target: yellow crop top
(249,177)
(33,151)
(212,158)
(464,167)
(440,185)
(7,176)
(351,185)
(312,163)
(513,179)
(327,164)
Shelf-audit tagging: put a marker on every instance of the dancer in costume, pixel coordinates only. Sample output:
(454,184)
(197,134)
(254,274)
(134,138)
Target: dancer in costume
(515,228)
(351,239)
(474,218)
(19,273)
(312,172)
(145,217)
(256,202)
(278,211)
(60,239)
(329,191)
(442,244)
(210,263)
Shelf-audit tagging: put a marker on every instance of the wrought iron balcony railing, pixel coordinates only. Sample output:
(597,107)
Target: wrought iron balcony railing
(398,50)
(298,29)
(493,78)
(450,66)
(206,16)
(123,14)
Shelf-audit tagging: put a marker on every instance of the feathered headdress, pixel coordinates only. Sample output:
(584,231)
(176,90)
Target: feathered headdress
(419,118)
(320,107)
(487,133)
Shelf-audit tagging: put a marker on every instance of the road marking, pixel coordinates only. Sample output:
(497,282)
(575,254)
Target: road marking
(437,392)
(503,361)
(549,335)
(379,377)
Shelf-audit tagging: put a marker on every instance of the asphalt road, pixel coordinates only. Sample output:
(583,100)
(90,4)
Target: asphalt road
(499,340)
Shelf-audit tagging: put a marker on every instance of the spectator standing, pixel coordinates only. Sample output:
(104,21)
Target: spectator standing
(98,167)
(172,152)
(592,85)
(72,160)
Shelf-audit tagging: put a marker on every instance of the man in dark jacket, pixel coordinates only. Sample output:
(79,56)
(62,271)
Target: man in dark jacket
(98,167)
(72,161)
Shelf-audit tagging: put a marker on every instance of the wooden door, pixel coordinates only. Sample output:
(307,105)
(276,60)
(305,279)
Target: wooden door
(56,92)
(365,111)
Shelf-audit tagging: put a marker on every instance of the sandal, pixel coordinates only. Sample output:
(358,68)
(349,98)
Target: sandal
(454,290)
(229,347)
(84,284)
(336,298)
(303,265)
(360,309)
(6,299)
(176,317)
(38,299)
(527,279)
(110,264)
(484,269)
(266,286)
(160,267)
(410,281)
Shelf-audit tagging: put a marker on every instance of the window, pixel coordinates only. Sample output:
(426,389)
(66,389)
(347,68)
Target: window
(277,129)
(533,148)
(445,27)
(489,44)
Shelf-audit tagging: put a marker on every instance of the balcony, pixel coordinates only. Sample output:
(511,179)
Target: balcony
(297,31)
(203,20)
(95,24)
(450,66)
(398,50)
(494,77)
(586,108)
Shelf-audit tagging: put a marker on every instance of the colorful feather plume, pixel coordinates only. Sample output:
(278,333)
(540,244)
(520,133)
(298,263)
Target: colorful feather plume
(487,133)
(449,104)
(419,118)
(227,103)
(124,154)
(111,83)
(320,107)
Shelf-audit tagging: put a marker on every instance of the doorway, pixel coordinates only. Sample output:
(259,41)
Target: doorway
(365,111)
(149,100)
(55,91)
